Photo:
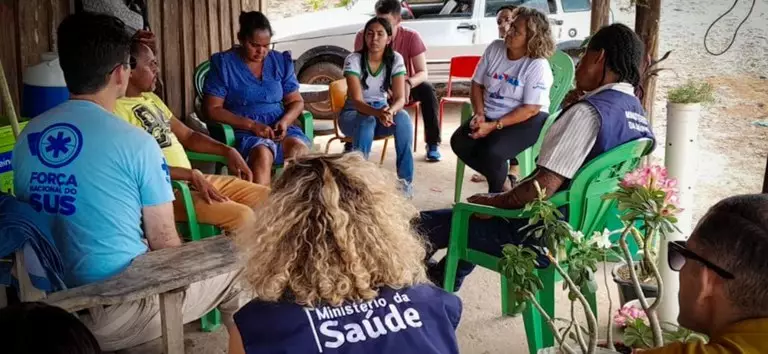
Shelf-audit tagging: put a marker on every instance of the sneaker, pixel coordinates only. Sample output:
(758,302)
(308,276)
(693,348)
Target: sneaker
(347,147)
(406,188)
(433,153)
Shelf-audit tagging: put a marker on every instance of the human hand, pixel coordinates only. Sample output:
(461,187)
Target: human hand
(477,119)
(237,166)
(385,117)
(482,130)
(281,129)
(262,130)
(205,188)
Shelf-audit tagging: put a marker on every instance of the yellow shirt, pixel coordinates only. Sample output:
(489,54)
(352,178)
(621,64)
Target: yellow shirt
(150,113)
(745,337)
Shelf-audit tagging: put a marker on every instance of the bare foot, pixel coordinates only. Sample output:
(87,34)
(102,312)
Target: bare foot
(477,178)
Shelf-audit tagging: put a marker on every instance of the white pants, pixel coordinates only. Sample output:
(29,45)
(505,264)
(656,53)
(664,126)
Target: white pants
(133,323)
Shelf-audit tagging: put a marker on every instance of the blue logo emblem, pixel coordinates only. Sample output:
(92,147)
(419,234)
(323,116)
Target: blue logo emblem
(57,145)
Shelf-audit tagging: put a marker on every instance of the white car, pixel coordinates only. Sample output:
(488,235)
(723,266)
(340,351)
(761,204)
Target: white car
(320,41)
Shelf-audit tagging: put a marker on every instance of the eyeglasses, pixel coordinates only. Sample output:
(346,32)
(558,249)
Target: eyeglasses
(678,253)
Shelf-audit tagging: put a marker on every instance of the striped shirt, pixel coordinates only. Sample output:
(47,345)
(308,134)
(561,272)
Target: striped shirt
(571,138)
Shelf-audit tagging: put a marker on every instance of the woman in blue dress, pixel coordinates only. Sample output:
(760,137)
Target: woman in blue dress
(255,90)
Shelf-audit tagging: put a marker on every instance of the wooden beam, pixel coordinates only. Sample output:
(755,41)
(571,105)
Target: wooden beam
(601,12)
(172,322)
(765,177)
(648,13)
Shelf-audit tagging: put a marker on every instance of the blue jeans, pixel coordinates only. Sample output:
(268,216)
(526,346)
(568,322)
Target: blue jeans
(485,235)
(362,129)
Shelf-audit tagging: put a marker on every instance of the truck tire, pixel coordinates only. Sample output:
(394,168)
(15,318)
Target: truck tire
(321,73)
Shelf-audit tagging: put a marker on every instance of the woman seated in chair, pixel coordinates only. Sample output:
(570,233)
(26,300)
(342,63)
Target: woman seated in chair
(510,99)
(372,74)
(336,267)
(255,90)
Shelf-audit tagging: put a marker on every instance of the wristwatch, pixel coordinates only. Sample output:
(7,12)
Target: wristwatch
(499,125)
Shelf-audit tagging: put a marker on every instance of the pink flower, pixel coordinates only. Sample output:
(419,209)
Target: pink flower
(627,314)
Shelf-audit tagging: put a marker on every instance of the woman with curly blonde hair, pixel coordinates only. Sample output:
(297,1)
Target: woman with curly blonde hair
(510,99)
(336,267)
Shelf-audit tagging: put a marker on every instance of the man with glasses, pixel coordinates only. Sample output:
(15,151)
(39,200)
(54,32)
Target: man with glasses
(724,279)
(105,185)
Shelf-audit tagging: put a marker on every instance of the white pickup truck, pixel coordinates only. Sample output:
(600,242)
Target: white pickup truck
(319,41)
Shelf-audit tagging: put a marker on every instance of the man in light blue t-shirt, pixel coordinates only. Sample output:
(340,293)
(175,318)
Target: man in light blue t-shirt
(105,184)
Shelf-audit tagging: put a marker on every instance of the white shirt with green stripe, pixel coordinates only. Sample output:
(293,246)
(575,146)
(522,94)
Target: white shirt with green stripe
(375,80)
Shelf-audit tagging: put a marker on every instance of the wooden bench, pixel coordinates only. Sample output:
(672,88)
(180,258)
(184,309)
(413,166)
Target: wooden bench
(165,272)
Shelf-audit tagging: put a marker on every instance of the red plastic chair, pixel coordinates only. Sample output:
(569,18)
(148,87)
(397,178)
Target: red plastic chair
(462,67)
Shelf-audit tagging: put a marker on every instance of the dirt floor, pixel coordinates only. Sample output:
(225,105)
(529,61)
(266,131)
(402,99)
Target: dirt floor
(731,155)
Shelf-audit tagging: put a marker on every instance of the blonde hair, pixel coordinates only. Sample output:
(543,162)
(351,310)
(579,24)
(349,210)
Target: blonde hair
(541,44)
(334,228)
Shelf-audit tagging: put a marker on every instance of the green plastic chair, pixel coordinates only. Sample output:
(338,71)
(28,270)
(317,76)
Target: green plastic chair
(563,72)
(587,213)
(192,230)
(224,132)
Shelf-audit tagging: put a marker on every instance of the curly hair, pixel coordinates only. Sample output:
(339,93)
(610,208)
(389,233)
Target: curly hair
(541,43)
(334,229)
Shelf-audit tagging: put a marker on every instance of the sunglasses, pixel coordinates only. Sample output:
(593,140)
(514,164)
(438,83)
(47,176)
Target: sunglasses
(678,253)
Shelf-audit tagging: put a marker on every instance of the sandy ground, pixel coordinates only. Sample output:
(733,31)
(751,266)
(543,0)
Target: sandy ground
(731,153)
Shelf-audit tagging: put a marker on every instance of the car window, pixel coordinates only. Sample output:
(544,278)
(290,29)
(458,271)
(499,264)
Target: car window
(576,5)
(492,6)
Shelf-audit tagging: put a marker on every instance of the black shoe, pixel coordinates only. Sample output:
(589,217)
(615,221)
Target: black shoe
(347,147)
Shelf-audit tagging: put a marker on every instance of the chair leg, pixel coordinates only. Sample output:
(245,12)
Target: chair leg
(547,301)
(384,152)
(533,323)
(328,144)
(459,180)
(415,128)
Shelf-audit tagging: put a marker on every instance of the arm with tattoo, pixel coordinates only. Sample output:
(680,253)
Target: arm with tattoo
(523,193)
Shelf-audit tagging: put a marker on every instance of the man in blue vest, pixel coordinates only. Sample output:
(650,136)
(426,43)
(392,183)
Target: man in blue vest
(607,114)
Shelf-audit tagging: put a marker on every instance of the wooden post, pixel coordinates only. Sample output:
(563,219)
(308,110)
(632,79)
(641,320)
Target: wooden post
(172,321)
(601,11)
(647,17)
(765,177)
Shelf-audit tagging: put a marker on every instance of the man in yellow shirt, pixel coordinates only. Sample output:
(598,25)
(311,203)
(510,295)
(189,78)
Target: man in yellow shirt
(724,279)
(224,201)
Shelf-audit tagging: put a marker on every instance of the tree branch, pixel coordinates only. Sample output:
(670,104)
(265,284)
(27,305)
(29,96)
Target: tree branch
(579,337)
(652,318)
(609,335)
(591,321)
(550,323)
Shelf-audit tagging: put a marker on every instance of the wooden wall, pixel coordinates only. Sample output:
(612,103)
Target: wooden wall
(188,32)
(27,29)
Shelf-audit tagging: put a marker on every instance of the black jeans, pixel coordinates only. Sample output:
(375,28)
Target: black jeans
(425,93)
(485,235)
(489,155)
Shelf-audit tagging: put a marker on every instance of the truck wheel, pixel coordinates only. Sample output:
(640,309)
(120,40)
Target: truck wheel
(322,73)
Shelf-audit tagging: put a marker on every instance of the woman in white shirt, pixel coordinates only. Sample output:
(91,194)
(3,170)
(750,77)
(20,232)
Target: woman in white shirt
(510,99)
(375,98)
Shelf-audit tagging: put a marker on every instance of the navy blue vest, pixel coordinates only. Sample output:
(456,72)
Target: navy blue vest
(421,319)
(622,119)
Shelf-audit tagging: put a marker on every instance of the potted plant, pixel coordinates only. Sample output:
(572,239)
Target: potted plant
(645,195)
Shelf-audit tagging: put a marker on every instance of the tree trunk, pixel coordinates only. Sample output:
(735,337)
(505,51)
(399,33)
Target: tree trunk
(601,11)
(647,17)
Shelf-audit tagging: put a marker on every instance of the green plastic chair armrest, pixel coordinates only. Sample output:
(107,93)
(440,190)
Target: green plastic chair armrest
(307,124)
(189,208)
(229,134)
(203,157)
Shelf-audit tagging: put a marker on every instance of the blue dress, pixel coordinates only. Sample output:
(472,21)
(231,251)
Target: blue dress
(258,99)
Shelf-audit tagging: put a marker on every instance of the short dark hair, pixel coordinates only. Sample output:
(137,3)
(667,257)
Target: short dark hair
(507,7)
(35,327)
(734,235)
(90,47)
(623,52)
(253,21)
(388,7)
